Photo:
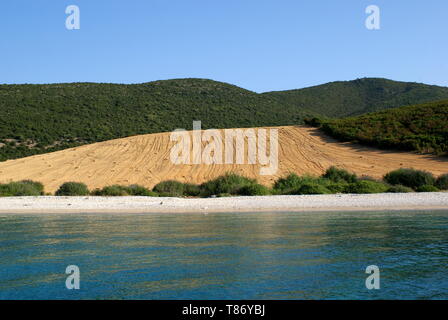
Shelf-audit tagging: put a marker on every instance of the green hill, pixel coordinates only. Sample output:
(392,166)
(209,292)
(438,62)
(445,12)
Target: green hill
(350,98)
(43,118)
(422,128)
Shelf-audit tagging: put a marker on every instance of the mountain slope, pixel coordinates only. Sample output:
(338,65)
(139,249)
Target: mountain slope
(350,98)
(145,160)
(38,119)
(422,128)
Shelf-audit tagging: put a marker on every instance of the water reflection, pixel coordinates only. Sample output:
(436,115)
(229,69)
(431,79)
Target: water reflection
(225,256)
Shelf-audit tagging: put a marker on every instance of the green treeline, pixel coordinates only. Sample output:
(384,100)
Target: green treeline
(333,181)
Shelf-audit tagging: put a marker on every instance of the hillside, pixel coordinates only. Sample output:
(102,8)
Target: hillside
(42,118)
(145,160)
(422,128)
(37,119)
(350,98)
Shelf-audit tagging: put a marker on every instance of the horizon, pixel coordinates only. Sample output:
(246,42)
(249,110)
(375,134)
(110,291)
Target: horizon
(223,82)
(261,46)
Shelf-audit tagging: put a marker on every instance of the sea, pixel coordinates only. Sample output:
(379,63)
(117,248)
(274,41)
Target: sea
(259,255)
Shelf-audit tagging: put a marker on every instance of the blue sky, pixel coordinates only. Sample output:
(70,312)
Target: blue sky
(256,44)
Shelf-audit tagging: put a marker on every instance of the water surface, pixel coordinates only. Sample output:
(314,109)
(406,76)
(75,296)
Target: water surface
(225,255)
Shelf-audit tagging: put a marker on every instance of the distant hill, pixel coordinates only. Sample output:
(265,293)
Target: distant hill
(350,98)
(422,128)
(43,118)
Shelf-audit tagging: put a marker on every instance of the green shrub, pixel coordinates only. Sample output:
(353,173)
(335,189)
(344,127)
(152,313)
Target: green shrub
(310,188)
(121,191)
(229,183)
(192,190)
(137,190)
(338,175)
(410,178)
(224,195)
(366,186)
(169,188)
(336,187)
(427,188)
(292,183)
(399,189)
(36,185)
(21,189)
(72,189)
(254,190)
(442,182)
(113,191)
(288,184)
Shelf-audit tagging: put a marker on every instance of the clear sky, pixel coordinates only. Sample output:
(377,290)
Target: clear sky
(256,44)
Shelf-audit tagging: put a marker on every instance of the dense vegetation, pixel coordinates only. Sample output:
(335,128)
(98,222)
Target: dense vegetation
(350,98)
(21,188)
(333,181)
(422,128)
(43,118)
(72,189)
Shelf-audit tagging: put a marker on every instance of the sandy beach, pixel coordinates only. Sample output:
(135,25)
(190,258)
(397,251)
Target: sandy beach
(342,202)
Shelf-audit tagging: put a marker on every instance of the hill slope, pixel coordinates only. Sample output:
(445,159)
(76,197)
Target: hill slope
(350,98)
(145,160)
(42,118)
(422,128)
(38,119)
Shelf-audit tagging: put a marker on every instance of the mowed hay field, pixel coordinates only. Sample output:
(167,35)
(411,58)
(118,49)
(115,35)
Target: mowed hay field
(146,160)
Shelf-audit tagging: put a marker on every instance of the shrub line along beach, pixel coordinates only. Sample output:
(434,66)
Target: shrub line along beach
(336,189)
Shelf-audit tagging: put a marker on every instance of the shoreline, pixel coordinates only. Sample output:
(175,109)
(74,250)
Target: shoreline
(294,203)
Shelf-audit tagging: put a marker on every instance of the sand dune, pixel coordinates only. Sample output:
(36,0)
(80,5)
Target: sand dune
(146,160)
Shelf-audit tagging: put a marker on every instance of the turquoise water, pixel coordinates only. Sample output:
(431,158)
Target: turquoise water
(225,256)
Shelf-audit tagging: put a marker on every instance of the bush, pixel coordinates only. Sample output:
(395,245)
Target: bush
(427,188)
(399,189)
(366,186)
(288,184)
(336,187)
(121,191)
(36,185)
(137,190)
(310,188)
(21,189)
(442,182)
(72,189)
(292,183)
(410,178)
(254,190)
(169,188)
(229,183)
(338,175)
(112,191)
(191,190)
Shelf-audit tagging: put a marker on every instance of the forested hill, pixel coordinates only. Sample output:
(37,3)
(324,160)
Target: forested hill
(422,128)
(43,118)
(351,98)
